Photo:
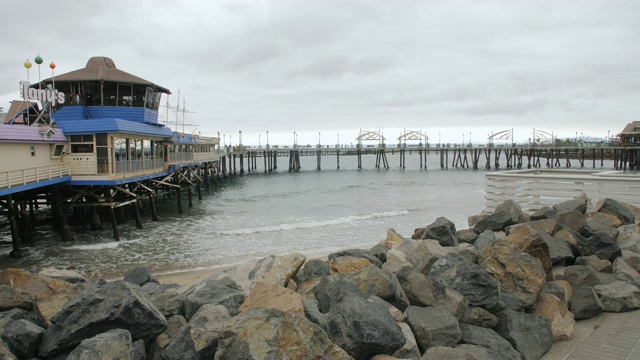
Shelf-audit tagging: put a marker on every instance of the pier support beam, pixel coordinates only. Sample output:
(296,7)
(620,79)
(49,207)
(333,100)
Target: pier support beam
(16,253)
(114,223)
(152,204)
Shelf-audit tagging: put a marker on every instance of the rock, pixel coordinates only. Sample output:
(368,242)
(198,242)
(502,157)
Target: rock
(410,348)
(23,338)
(328,289)
(533,242)
(223,292)
(580,275)
(618,296)
(50,306)
(347,264)
(629,238)
(508,302)
(199,338)
(151,288)
(572,219)
(5,352)
(528,334)
(545,212)
(632,259)
(570,237)
(585,303)
(423,254)
(485,238)
(380,251)
(273,269)
(11,297)
(547,226)
(560,251)
(261,333)
(139,276)
(371,280)
(396,260)
(466,236)
(468,279)
(168,303)
(139,350)
(442,230)
(175,323)
(66,275)
(393,239)
(479,317)
(614,221)
(357,253)
(113,344)
(600,245)
(422,290)
(558,288)
(433,326)
(312,269)
(625,272)
(615,208)
(312,312)
(362,327)
(12,315)
(493,222)
(100,307)
(518,273)
(157,346)
(489,339)
(595,263)
(555,311)
(273,296)
(460,352)
(579,204)
(40,286)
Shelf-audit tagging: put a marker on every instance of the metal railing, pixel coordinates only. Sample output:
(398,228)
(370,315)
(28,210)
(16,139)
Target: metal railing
(532,189)
(13,178)
(127,166)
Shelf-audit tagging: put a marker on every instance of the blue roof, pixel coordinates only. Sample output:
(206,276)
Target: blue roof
(105,125)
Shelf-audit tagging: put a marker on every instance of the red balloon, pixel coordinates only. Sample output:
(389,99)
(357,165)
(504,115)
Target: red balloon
(52,65)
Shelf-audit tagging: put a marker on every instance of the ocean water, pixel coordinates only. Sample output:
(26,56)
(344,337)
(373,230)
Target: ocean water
(255,215)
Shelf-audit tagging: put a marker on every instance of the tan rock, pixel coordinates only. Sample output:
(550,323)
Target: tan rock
(307,288)
(347,264)
(568,290)
(275,297)
(561,320)
(284,268)
(613,220)
(393,239)
(396,260)
(50,306)
(40,286)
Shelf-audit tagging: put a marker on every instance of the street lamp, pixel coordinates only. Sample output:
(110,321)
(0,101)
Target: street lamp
(462,139)
(469,137)
(439,143)
(294,139)
(259,143)
(319,138)
(267,139)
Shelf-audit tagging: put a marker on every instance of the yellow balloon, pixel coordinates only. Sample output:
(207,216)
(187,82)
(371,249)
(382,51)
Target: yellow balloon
(27,64)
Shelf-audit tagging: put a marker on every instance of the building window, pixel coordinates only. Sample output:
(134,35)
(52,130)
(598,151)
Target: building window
(82,143)
(33,150)
(57,150)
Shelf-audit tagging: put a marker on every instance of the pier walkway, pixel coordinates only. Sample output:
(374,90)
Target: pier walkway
(607,336)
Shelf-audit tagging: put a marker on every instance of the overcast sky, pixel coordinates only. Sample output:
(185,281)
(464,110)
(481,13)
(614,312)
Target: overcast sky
(452,68)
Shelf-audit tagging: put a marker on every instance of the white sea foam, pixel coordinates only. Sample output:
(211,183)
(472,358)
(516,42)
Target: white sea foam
(99,246)
(313,224)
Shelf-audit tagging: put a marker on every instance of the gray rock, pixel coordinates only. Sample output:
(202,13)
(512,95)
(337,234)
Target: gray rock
(102,306)
(618,296)
(327,290)
(213,291)
(168,303)
(420,254)
(312,269)
(585,303)
(265,333)
(198,339)
(493,222)
(579,204)
(139,276)
(113,344)
(479,317)
(362,327)
(139,350)
(422,290)
(595,263)
(602,245)
(580,275)
(466,236)
(312,312)
(460,352)
(625,272)
(510,302)
(572,219)
(15,314)
(370,280)
(570,237)
(433,326)
(632,259)
(559,251)
(545,212)
(467,278)
(410,348)
(629,238)
(485,238)
(554,289)
(151,288)
(174,324)
(442,230)
(5,352)
(615,208)
(23,338)
(67,275)
(11,297)
(489,339)
(528,334)
(380,251)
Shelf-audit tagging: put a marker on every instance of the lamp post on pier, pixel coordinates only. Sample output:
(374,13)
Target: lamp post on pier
(319,139)
(462,139)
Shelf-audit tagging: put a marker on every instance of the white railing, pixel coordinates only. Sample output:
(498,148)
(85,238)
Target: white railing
(126,166)
(180,157)
(532,189)
(9,179)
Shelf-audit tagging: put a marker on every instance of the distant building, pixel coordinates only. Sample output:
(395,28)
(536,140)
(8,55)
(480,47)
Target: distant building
(631,134)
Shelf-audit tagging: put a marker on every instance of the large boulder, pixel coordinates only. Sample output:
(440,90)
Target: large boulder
(580,275)
(625,272)
(632,259)
(485,238)
(273,296)
(362,327)
(528,334)
(313,268)
(23,338)
(572,219)
(500,347)
(139,276)
(102,306)
(113,344)
(467,278)
(578,204)
(461,351)
(9,316)
(11,297)
(357,253)
(48,307)
(67,275)
(442,230)
(585,303)
(617,209)
(433,326)
(599,238)
(507,213)
(5,352)
(518,273)
(422,290)
(555,311)
(618,296)
(39,286)
(595,263)
(198,339)
(370,280)
(347,264)
(479,317)
(559,288)
(213,291)
(629,238)
(262,333)
(410,348)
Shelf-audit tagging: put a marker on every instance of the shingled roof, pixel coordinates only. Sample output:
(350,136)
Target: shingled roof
(103,68)
(631,128)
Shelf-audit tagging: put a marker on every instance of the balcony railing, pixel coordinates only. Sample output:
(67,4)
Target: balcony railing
(127,166)
(9,179)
